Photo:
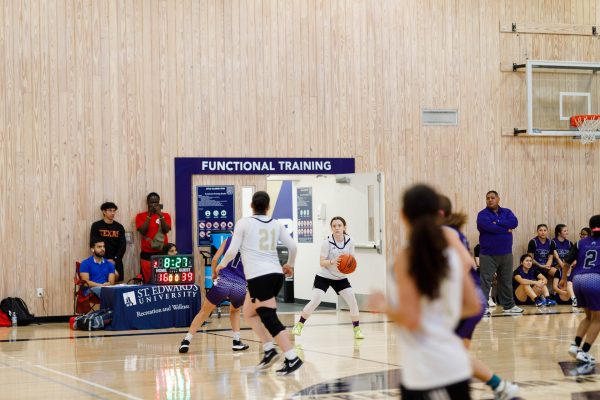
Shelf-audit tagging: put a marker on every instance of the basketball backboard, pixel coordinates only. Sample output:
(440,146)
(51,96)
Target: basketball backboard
(557,91)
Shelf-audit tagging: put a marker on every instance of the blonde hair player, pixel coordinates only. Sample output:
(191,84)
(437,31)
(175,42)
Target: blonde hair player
(328,275)
(256,239)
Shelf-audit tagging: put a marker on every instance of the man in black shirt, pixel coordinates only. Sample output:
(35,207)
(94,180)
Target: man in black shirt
(113,235)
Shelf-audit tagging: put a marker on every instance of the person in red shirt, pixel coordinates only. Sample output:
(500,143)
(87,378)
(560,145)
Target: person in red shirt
(153,225)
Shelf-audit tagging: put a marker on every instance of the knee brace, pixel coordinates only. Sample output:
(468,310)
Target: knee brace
(268,317)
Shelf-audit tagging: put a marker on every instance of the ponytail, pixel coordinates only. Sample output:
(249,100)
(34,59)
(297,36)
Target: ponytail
(427,263)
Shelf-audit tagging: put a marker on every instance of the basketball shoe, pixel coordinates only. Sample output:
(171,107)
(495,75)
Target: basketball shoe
(238,345)
(584,357)
(289,366)
(268,359)
(513,310)
(573,350)
(184,346)
(297,329)
(506,391)
(358,333)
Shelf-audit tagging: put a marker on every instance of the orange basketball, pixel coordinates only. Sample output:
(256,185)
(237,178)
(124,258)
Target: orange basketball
(347,264)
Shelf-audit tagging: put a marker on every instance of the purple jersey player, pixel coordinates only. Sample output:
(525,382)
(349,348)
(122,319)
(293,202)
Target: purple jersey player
(229,284)
(540,249)
(586,284)
(502,388)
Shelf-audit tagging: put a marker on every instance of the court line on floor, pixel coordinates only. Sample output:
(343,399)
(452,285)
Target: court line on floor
(161,333)
(248,328)
(313,351)
(28,372)
(106,388)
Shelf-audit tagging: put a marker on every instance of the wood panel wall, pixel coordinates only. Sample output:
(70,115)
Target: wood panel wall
(98,97)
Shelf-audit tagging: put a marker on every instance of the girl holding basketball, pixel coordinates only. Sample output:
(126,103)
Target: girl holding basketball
(336,245)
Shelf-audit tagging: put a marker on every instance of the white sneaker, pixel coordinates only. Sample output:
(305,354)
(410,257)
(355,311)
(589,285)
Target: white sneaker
(513,310)
(506,391)
(491,303)
(573,350)
(584,357)
(487,312)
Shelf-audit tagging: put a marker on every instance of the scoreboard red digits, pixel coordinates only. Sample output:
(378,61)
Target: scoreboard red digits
(172,270)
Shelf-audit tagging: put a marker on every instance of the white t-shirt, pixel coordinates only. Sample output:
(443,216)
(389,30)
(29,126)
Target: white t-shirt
(256,238)
(434,356)
(331,249)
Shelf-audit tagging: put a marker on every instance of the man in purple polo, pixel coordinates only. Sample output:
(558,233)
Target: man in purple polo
(495,225)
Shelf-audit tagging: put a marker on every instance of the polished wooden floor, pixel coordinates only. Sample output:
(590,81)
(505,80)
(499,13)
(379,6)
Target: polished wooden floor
(51,362)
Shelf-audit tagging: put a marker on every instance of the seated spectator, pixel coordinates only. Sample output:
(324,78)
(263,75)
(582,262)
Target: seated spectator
(170,249)
(565,295)
(539,249)
(561,246)
(96,270)
(113,235)
(585,232)
(153,225)
(529,284)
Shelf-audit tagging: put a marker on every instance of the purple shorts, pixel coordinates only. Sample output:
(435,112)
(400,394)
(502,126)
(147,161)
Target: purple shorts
(224,288)
(466,327)
(587,290)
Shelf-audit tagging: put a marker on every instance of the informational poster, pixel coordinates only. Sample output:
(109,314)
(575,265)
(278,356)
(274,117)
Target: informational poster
(216,208)
(305,215)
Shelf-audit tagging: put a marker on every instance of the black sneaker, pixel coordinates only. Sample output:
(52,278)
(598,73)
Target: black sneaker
(289,366)
(268,359)
(185,346)
(239,346)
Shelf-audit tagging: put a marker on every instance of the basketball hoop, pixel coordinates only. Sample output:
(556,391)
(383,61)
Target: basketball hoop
(589,128)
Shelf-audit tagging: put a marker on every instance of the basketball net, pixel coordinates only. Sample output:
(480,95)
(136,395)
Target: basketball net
(588,129)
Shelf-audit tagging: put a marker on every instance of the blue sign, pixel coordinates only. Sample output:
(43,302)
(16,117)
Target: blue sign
(216,211)
(186,167)
(266,166)
(150,306)
(305,215)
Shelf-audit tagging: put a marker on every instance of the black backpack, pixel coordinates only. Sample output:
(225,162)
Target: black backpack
(94,321)
(12,305)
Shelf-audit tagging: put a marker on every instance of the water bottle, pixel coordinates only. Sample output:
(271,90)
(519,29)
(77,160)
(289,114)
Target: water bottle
(13,319)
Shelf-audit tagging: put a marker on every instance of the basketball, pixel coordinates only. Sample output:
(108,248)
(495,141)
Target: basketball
(347,264)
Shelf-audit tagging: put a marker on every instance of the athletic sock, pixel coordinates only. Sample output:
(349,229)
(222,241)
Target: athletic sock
(188,337)
(268,346)
(578,341)
(355,323)
(494,382)
(290,354)
(586,347)
(236,336)
(302,320)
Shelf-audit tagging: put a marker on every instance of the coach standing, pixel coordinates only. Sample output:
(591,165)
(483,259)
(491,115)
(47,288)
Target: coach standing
(495,225)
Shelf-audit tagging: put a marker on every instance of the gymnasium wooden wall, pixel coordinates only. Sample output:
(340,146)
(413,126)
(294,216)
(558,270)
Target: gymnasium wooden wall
(98,97)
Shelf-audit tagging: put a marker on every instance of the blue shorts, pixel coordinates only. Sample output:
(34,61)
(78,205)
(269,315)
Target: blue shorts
(227,288)
(466,326)
(587,290)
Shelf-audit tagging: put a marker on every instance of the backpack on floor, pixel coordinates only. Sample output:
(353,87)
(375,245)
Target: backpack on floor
(16,305)
(4,320)
(94,321)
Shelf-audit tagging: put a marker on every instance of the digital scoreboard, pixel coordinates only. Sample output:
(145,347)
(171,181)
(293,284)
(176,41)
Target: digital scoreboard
(172,270)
